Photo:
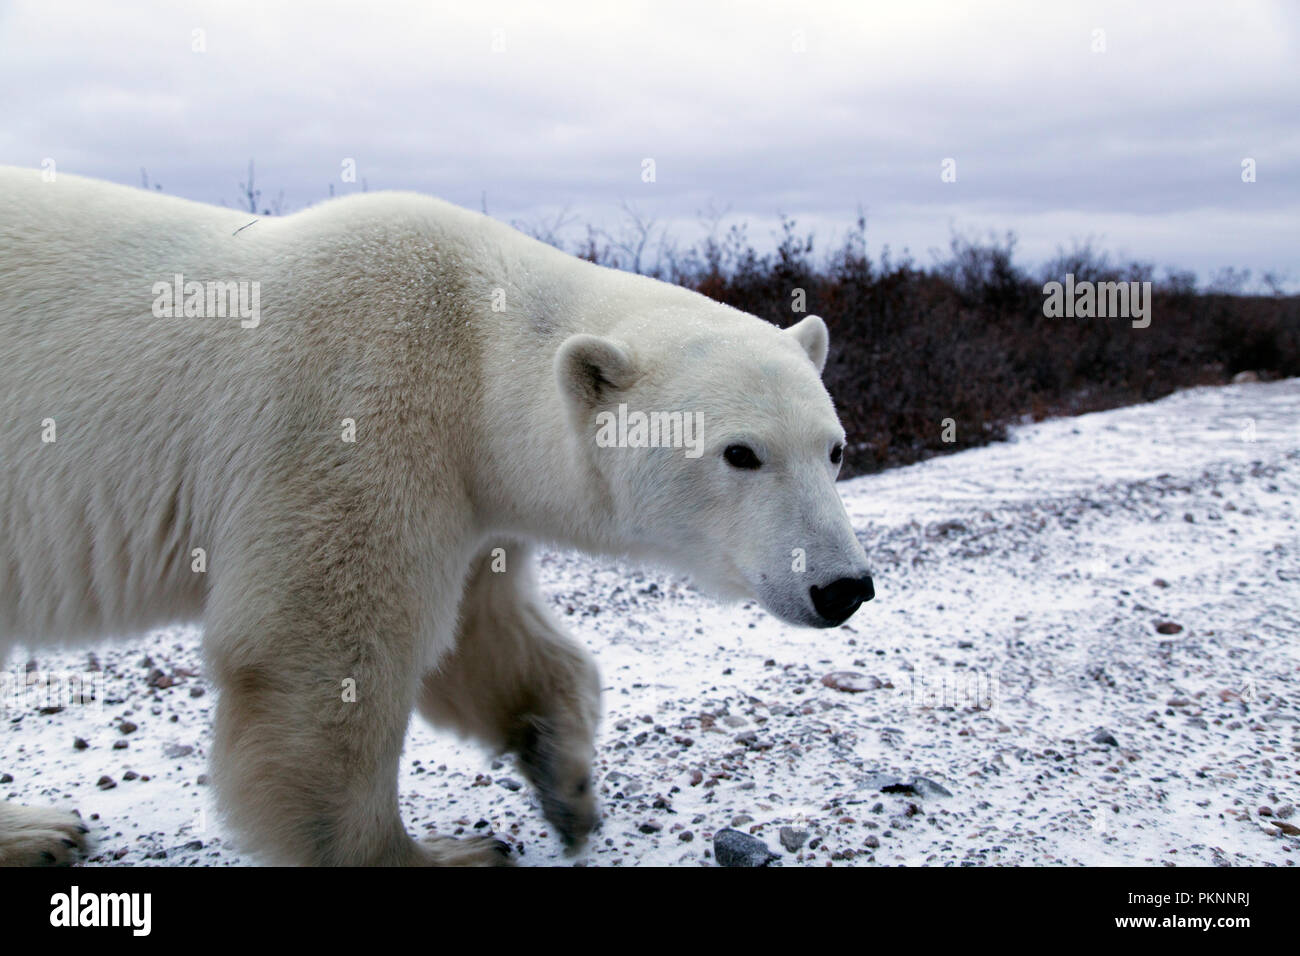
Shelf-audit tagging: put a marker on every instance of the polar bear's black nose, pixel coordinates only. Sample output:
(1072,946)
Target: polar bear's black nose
(838,600)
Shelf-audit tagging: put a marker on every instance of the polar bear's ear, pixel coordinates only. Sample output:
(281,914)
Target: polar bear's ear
(810,332)
(589,369)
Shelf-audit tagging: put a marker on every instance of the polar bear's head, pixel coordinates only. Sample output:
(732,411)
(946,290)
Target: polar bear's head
(717,447)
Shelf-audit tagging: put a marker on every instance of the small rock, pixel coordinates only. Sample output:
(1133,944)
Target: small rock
(929,788)
(177,751)
(120,744)
(733,848)
(1105,737)
(1290,829)
(945,528)
(510,783)
(127,727)
(900,787)
(621,783)
(650,826)
(196,692)
(159,679)
(740,819)
(130,775)
(1168,627)
(878,781)
(6,778)
(1285,811)
(793,839)
(106,782)
(873,841)
(80,744)
(686,836)
(851,682)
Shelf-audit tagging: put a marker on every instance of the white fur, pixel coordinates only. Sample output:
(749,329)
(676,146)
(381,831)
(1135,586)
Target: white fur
(330,561)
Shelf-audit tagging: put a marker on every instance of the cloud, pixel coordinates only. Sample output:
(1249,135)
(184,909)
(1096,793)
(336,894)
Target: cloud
(806,109)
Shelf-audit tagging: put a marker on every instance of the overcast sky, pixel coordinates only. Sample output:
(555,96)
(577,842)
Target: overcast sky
(761,108)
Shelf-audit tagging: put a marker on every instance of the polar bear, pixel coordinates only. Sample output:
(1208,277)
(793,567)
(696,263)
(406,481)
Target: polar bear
(334,438)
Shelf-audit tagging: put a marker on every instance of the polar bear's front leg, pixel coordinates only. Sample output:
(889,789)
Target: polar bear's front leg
(316,673)
(517,682)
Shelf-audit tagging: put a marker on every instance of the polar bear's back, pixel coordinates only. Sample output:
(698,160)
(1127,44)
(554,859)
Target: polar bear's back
(161,424)
(85,362)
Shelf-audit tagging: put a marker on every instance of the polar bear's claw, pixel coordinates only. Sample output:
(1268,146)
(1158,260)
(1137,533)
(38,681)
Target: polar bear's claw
(471,851)
(36,836)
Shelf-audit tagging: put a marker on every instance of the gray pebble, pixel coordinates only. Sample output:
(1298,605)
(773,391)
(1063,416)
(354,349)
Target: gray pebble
(793,839)
(733,848)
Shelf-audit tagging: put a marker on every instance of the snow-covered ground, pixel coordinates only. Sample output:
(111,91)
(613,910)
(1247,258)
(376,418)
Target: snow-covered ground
(1085,641)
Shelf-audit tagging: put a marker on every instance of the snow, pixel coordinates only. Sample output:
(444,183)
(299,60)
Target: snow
(1018,591)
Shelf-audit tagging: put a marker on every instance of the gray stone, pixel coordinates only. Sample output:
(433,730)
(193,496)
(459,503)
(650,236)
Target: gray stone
(621,783)
(877,781)
(929,788)
(733,848)
(793,839)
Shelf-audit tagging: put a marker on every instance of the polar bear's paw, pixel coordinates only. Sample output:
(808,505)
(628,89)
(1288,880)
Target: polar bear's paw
(37,836)
(559,766)
(470,851)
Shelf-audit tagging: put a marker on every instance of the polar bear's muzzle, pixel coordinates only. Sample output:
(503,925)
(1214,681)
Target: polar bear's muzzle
(838,601)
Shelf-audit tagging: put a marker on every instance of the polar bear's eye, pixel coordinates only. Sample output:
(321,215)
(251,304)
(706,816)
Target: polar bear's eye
(837,453)
(741,456)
